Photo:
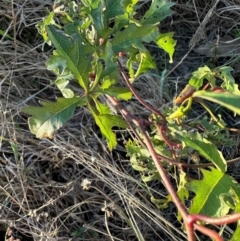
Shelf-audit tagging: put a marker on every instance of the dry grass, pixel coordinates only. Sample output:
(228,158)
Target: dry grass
(42,191)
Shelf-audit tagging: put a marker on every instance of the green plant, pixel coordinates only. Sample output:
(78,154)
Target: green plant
(85,233)
(90,39)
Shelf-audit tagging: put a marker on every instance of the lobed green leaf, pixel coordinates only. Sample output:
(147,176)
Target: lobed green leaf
(145,61)
(46,120)
(133,36)
(72,49)
(210,193)
(105,121)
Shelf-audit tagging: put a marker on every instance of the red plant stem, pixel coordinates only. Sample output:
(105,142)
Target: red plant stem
(189,220)
(137,96)
(168,185)
(208,232)
(186,165)
(157,162)
(218,221)
(206,86)
(169,143)
(149,107)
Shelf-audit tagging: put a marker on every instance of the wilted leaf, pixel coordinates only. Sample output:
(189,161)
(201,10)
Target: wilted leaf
(62,86)
(145,61)
(185,93)
(161,202)
(229,82)
(141,161)
(41,26)
(182,191)
(57,64)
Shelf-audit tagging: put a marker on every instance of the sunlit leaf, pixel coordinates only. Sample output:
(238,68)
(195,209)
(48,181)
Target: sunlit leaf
(91,3)
(106,121)
(46,120)
(179,112)
(225,99)
(236,234)
(199,75)
(118,92)
(167,43)
(229,82)
(146,62)
(129,6)
(210,191)
(41,26)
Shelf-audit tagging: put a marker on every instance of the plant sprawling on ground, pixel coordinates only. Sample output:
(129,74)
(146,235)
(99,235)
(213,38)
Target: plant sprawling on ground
(133,161)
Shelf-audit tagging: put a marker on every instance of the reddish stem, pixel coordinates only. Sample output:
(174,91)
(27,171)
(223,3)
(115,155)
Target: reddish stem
(218,221)
(169,143)
(208,232)
(189,220)
(158,165)
(152,109)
